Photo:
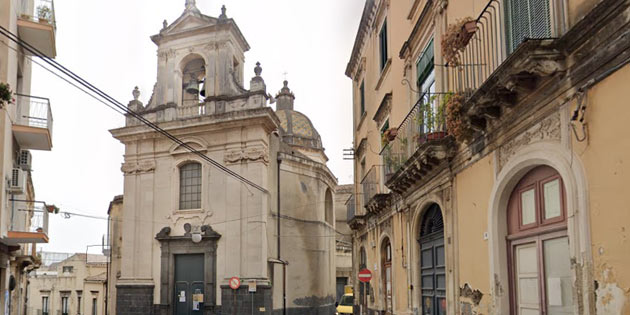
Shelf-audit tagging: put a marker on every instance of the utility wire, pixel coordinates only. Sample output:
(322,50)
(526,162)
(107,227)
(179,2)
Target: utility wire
(67,81)
(124,108)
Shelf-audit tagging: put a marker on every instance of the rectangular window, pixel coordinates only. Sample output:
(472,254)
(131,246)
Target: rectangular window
(67,269)
(383,44)
(552,202)
(362,97)
(44,305)
(425,66)
(94,310)
(528,207)
(190,186)
(79,293)
(64,305)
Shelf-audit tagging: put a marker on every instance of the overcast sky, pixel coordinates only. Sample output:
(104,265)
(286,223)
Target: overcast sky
(107,43)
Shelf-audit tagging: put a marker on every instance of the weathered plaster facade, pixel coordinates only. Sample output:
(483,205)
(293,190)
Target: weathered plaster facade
(554,104)
(80,280)
(286,221)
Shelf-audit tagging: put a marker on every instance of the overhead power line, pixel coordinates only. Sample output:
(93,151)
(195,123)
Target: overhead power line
(34,51)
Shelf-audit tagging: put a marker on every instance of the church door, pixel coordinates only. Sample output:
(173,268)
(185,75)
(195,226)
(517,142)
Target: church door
(432,263)
(189,280)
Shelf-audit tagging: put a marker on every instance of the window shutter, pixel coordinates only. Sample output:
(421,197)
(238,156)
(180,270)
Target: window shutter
(527,19)
(425,63)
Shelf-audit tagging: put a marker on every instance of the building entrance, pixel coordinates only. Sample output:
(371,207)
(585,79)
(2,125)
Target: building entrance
(189,280)
(432,263)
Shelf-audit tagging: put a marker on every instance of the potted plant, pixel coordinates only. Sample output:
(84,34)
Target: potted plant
(456,39)
(6,95)
(44,14)
(429,121)
(456,121)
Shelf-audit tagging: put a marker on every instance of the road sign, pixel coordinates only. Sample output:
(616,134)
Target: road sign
(235,283)
(365,275)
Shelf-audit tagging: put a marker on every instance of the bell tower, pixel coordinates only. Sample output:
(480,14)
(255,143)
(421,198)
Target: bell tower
(200,58)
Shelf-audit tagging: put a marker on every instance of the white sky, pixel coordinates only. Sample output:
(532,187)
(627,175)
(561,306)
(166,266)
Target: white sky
(107,43)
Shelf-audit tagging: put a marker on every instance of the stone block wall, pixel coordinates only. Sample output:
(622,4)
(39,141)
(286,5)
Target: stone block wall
(242,302)
(134,299)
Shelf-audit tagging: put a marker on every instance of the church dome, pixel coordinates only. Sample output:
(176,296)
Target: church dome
(297,129)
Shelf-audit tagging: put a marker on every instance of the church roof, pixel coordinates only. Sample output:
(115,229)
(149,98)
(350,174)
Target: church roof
(297,129)
(192,20)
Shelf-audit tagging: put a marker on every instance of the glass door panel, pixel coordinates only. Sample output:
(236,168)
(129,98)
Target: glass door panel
(526,274)
(558,276)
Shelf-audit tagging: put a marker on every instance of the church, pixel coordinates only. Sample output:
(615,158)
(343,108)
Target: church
(235,213)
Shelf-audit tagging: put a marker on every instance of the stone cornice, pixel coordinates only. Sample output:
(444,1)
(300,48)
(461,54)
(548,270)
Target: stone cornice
(309,164)
(263,116)
(364,29)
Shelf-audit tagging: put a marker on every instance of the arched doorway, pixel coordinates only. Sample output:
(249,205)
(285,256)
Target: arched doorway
(432,262)
(538,245)
(386,267)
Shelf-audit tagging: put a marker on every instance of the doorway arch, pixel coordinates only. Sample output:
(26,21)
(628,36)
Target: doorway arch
(432,266)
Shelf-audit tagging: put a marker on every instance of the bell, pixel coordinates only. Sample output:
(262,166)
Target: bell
(203,90)
(192,87)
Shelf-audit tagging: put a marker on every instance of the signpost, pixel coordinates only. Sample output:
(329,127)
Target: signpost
(365,275)
(235,283)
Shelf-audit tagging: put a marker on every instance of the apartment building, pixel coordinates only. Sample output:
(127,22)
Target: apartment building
(25,125)
(490,157)
(75,285)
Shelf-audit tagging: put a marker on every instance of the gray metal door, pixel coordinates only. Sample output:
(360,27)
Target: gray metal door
(188,283)
(433,263)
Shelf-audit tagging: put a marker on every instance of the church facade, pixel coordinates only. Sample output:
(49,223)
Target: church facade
(243,192)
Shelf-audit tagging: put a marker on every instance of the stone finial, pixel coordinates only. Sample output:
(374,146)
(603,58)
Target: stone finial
(136,93)
(258,69)
(191,4)
(223,16)
(164,24)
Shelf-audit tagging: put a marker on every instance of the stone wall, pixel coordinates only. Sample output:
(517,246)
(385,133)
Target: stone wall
(134,299)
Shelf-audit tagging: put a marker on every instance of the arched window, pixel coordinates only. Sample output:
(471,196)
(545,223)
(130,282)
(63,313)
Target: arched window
(193,76)
(538,261)
(190,186)
(328,207)
(386,263)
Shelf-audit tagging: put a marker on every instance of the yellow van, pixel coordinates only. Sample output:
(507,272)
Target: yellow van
(345,305)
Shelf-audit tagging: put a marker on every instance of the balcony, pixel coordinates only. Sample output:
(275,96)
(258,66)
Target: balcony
(504,59)
(33,123)
(37,25)
(355,221)
(28,226)
(375,194)
(419,145)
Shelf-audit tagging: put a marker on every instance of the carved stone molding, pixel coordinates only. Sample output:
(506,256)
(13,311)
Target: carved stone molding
(548,129)
(247,155)
(166,54)
(143,167)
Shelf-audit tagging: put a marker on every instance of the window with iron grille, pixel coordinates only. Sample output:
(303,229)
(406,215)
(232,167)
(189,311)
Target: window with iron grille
(383,44)
(527,19)
(190,186)
(94,310)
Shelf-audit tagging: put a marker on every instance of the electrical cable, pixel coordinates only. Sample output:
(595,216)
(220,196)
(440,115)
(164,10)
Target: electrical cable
(122,107)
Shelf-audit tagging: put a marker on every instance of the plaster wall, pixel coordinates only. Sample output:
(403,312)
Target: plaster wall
(606,159)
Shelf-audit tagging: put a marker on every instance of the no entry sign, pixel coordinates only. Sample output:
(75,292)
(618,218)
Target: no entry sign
(365,275)
(235,283)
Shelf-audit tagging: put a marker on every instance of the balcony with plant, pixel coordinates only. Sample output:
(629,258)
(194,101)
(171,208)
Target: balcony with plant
(495,60)
(421,143)
(37,25)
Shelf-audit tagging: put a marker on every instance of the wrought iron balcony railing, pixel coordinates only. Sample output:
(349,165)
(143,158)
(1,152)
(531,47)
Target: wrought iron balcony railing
(500,28)
(40,11)
(351,207)
(373,184)
(424,123)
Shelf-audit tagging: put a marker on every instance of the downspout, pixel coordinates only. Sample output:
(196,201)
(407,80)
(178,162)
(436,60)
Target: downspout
(108,266)
(284,266)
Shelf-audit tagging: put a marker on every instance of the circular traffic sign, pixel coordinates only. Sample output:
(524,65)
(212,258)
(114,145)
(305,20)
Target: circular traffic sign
(235,283)
(365,275)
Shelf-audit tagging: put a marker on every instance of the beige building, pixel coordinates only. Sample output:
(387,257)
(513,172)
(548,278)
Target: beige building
(243,191)
(343,238)
(490,157)
(25,125)
(76,285)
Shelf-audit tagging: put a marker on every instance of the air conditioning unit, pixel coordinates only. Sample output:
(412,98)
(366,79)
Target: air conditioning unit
(24,160)
(18,181)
